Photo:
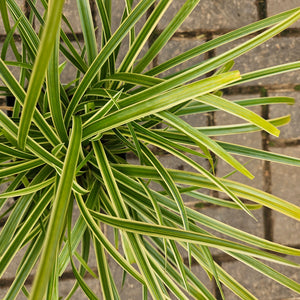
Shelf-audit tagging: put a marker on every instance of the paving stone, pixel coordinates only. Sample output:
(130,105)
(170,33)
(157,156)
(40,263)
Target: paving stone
(214,15)
(9,202)
(196,120)
(14,264)
(69,72)
(262,287)
(285,184)
(4,290)
(203,277)
(131,289)
(70,11)
(11,57)
(118,7)
(65,287)
(169,161)
(235,218)
(252,140)
(291,130)
(124,50)
(278,50)
(178,46)
(11,21)
(276,6)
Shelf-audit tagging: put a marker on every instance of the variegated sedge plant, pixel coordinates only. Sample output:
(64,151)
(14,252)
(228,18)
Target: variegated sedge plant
(65,146)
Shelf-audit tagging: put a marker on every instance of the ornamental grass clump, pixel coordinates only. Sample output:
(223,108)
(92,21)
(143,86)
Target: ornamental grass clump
(65,147)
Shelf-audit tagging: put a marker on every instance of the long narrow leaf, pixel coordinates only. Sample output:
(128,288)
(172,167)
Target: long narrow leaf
(58,214)
(158,103)
(103,55)
(187,236)
(39,69)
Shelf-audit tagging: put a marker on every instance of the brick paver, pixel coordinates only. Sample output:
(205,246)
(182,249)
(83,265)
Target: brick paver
(211,18)
(292,130)
(2,29)
(261,286)
(214,15)
(276,6)
(271,53)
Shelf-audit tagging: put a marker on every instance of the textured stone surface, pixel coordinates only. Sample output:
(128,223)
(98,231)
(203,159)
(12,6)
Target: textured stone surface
(69,73)
(132,289)
(203,277)
(291,130)
(118,7)
(11,21)
(116,19)
(235,218)
(4,290)
(9,202)
(66,286)
(124,50)
(177,46)
(72,15)
(172,162)
(11,57)
(13,266)
(70,11)
(261,286)
(277,6)
(285,184)
(238,219)
(214,15)
(278,50)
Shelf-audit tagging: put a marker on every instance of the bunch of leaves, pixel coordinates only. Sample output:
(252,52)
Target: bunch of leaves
(65,146)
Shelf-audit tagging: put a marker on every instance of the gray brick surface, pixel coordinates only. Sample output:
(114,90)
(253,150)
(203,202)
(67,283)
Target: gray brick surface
(237,219)
(274,52)
(118,7)
(253,165)
(172,162)
(261,286)
(13,266)
(11,21)
(131,290)
(277,6)
(291,130)
(285,184)
(8,203)
(69,72)
(11,57)
(4,290)
(70,11)
(124,50)
(177,46)
(65,287)
(214,15)
(203,277)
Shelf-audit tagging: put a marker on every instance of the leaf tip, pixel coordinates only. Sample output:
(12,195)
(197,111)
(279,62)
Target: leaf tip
(276,132)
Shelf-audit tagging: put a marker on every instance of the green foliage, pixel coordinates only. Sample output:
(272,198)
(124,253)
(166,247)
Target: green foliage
(65,147)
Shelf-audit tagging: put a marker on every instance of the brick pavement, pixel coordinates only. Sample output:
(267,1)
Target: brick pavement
(210,19)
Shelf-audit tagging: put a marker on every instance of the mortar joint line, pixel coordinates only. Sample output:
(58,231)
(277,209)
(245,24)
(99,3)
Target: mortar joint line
(267,174)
